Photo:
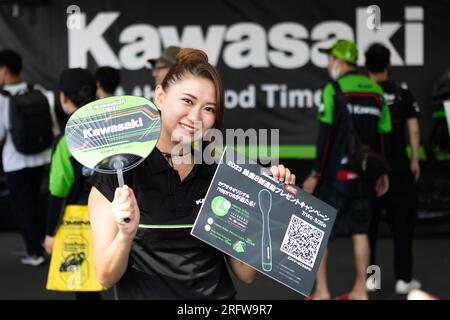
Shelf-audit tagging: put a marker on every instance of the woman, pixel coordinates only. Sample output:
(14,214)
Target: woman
(153,256)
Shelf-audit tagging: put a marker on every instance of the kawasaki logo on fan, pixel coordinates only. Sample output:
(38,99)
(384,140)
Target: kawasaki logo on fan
(89,133)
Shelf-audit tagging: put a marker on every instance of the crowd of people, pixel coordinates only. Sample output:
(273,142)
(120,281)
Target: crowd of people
(167,263)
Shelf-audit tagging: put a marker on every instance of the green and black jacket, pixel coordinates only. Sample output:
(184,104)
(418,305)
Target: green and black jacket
(370,116)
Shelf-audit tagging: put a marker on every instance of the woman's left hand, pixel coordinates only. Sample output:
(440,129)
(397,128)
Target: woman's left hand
(282,174)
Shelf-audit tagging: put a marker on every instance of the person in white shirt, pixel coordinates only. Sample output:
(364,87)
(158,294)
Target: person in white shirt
(24,172)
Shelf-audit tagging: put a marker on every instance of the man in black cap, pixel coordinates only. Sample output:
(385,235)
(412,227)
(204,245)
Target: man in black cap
(67,180)
(77,88)
(162,65)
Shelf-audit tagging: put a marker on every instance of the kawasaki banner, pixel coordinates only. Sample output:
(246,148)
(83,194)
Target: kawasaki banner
(266,51)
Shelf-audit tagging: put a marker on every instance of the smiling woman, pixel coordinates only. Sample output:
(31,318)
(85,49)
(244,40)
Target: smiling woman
(193,109)
(191,101)
(153,256)
(193,65)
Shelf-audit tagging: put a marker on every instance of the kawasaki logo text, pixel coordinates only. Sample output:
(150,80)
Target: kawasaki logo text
(89,133)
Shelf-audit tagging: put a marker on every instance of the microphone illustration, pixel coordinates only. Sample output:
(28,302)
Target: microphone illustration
(265,204)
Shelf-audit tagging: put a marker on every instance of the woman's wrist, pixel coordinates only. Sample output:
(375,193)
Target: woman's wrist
(124,238)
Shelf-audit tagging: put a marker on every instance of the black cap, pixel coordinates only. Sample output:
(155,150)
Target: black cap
(72,81)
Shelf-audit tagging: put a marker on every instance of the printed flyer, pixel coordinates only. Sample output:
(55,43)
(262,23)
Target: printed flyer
(278,229)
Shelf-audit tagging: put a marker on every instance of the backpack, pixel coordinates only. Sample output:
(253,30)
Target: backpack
(362,159)
(30,121)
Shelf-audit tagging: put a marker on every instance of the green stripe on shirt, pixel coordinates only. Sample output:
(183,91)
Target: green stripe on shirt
(165,226)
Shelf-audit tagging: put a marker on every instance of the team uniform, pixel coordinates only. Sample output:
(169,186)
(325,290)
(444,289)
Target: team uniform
(339,186)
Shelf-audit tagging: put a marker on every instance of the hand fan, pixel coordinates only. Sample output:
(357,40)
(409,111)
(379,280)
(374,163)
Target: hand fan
(114,134)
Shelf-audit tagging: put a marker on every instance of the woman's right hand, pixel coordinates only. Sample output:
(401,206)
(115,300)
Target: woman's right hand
(125,206)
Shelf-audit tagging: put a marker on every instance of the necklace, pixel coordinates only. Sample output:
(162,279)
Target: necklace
(169,157)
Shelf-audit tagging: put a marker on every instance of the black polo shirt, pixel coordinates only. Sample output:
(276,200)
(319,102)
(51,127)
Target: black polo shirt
(403,107)
(166,262)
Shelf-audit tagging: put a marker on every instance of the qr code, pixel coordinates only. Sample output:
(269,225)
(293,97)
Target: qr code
(302,241)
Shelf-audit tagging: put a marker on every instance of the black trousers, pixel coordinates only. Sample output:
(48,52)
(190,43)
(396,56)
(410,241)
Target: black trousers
(27,208)
(400,205)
